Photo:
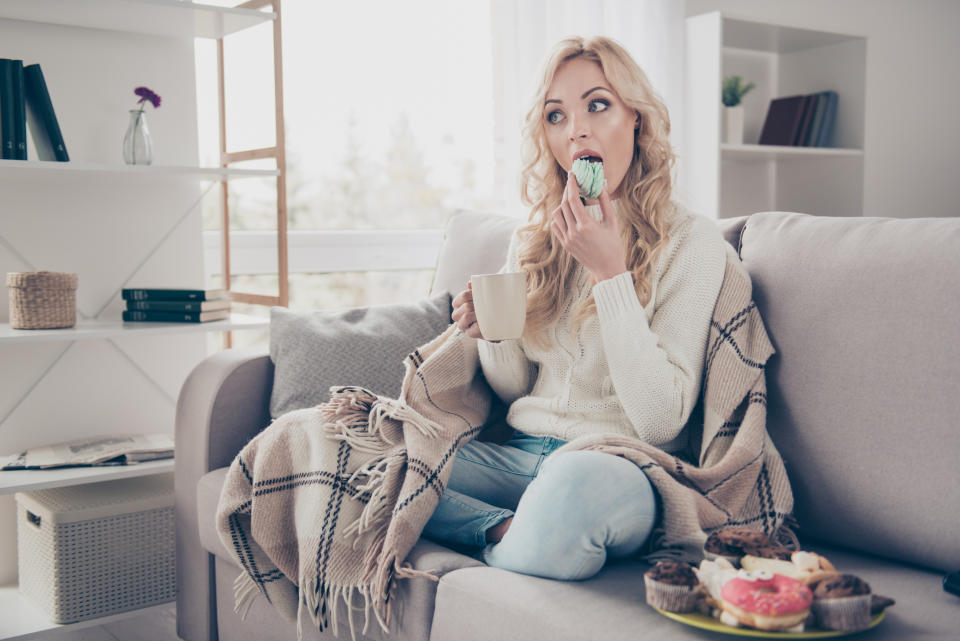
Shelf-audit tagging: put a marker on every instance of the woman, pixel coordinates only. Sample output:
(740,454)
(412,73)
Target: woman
(620,292)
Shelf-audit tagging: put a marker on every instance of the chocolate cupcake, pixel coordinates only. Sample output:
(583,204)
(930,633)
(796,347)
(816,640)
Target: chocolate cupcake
(672,586)
(733,543)
(842,602)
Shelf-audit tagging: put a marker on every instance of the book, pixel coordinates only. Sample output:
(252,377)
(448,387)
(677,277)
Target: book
(41,117)
(783,119)
(175,317)
(19,112)
(97,450)
(9,110)
(815,126)
(809,104)
(179,305)
(825,136)
(172,294)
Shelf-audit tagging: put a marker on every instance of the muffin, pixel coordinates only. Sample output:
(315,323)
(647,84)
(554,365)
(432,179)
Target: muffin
(733,543)
(842,602)
(672,586)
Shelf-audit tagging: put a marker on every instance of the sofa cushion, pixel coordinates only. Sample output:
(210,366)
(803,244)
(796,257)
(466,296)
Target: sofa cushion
(416,596)
(315,350)
(732,228)
(479,604)
(863,403)
(474,243)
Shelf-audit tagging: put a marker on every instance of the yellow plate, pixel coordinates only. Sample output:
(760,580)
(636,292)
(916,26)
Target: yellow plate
(709,623)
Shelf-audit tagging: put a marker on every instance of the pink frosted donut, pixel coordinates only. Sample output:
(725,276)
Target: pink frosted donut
(767,594)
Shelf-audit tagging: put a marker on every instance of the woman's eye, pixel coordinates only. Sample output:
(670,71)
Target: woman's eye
(599,101)
(594,106)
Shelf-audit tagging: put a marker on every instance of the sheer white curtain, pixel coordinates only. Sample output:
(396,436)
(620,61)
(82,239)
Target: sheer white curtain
(523,31)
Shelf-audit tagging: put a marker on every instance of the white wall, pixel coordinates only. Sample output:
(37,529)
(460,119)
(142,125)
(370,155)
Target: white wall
(912,132)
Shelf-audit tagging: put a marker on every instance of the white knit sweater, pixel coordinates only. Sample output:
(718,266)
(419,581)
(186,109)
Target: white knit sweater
(630,369)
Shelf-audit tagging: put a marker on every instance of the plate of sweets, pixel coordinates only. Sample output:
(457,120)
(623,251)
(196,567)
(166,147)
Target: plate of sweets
(747,586)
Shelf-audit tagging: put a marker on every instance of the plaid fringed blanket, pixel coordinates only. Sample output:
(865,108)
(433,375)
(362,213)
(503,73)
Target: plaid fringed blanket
(740,479)
(325,504)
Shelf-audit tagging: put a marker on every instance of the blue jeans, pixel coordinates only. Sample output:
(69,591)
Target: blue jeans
(570,511)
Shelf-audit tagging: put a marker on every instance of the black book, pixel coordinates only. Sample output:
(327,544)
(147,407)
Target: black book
(44,126)
(783,120)
(173,294)
(11,83)
(175,317)
(179,306)
(19,110)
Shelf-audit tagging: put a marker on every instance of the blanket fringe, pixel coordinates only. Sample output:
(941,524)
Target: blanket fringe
(375,516)
(350,416)
(786,534)
(245,591)
(353,417)
(406,571)
(398,410)
(323,607)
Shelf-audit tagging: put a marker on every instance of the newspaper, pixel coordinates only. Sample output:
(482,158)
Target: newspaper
(97,450)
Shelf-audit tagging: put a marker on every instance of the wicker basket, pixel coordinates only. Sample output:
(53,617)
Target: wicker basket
(88,551)
(42,300)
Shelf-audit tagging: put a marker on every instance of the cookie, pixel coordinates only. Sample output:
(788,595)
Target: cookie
(733,543)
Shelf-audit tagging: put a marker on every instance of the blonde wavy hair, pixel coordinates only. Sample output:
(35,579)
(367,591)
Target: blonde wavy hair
(645,204)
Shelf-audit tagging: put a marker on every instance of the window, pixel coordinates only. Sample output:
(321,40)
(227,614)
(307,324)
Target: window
(389,129)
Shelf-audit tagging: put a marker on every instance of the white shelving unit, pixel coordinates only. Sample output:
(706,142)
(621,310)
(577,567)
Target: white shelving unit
(110,222)
(84,330)
(29,480)
(125,171)
(725,180)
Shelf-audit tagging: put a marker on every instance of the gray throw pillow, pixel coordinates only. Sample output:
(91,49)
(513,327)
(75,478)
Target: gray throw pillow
(364,346)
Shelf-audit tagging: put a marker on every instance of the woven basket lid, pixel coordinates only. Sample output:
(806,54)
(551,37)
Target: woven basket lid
(42,280)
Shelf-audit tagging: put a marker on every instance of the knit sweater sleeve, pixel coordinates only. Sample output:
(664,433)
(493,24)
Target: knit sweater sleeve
(656,367)
(505,365)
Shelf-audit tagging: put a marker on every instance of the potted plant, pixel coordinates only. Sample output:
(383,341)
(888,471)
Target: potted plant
(733,92)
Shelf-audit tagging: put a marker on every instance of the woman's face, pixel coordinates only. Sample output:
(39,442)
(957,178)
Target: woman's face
(582,113)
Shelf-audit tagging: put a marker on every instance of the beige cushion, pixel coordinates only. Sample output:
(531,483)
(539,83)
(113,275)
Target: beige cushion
(474,243)
(863,391)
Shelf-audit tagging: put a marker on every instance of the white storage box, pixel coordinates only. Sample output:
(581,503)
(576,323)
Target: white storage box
(91,550)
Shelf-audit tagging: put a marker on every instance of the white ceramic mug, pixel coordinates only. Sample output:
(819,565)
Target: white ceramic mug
(500,301)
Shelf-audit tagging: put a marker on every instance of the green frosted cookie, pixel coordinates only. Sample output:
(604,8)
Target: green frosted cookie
(589,176)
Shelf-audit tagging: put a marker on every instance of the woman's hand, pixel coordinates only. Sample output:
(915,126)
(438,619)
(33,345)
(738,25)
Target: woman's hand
(597,245)
(464,314)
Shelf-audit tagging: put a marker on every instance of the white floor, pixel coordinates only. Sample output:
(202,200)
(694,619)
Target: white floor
(156,626)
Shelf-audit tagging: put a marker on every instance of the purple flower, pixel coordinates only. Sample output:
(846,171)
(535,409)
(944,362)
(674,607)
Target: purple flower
(146,95)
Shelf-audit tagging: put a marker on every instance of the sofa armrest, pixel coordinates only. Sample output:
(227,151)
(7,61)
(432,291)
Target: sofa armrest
(224,402)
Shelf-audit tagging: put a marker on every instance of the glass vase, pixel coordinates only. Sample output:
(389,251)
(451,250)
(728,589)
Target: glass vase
(137,144)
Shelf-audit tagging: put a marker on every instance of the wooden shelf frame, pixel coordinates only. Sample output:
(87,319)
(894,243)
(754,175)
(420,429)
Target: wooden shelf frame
(277,152)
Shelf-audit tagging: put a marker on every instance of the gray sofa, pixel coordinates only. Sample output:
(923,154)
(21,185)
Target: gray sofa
(864,400)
